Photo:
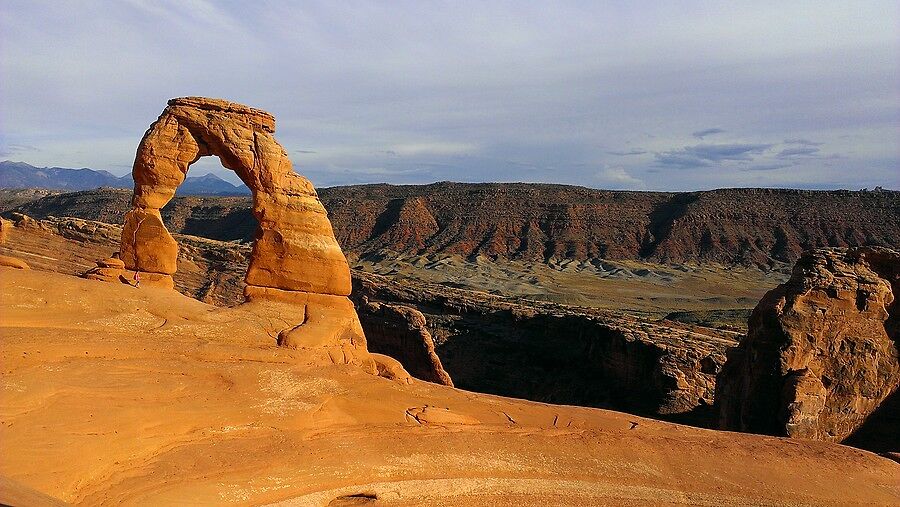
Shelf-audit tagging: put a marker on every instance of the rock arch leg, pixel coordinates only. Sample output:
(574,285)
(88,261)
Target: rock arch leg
(160,166)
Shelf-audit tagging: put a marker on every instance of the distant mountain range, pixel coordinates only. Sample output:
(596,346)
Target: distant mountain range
(22,175)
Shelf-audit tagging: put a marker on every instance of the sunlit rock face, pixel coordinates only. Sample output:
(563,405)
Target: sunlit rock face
(296,262)
(821,357)
(295,247)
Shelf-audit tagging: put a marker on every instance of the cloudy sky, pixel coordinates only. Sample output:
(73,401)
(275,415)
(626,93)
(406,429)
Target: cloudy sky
(626,94)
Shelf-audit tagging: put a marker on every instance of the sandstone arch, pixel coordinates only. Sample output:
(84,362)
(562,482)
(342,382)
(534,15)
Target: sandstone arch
(295,247)
(297,268)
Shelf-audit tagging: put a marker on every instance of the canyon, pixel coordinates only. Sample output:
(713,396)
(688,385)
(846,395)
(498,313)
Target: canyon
(481,342)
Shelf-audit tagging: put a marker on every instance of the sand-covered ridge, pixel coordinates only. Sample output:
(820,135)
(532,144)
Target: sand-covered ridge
(113,395)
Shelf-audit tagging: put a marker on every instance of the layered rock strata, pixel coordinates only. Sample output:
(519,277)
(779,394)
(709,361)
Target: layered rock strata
(821,358)
(769,228)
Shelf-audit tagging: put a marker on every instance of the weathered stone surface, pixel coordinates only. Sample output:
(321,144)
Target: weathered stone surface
(146,244)
(12,262)
(544,351)
(401,332)
(295,247)
(390,368)
(822,350)
(6,260)
(111,269)
(111,262)
(297,274)
(149,397)
(5,226)
(326,326)
(540,351)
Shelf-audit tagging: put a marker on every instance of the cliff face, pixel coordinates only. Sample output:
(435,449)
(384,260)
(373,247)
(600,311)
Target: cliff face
(560,354)
(401,332)
(821,358)
(537,222)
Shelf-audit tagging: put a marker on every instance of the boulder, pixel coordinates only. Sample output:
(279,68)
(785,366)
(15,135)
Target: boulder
(821,355)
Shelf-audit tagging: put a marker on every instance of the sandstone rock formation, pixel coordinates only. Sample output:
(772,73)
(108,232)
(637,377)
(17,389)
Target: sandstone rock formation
(295,259)
(539,351)
(111,269)
(295,249)
(822,354)
(6,260)
(400,331)
(117,396)
(546,352)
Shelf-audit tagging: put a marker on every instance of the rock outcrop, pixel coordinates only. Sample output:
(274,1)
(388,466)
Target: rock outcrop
(6,260)
(540,351)
(401,332)
(821,358)
(111,269)
(149,397)
(547,352)
(541,222)
(295,259)
(295,249)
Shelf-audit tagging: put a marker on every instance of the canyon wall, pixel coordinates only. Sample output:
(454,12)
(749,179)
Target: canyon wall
(560,354)
(539,222)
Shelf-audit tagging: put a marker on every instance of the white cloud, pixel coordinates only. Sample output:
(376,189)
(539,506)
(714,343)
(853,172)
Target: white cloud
(618,178)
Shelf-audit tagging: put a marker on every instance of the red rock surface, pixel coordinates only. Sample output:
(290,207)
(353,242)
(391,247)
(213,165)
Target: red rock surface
(539,222)
(401,331)
(6,260)
(119,396)
(295,247)
(821,356)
